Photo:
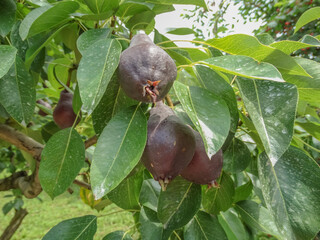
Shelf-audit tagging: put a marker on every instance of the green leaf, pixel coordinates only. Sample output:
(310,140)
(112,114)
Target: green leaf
(179,203)
(101,6)
(140,20)
(272,108)
(311,125)
(7,58)
(241,44)
(200,3)
(237,156)
(117,235)
(219,198)
(150,228)
(309,88)
(7,16)
(133,7)
(80,228)
(47,17)
(118,150)
(308,16)
(16,41)
(149,194)
(37,43)
(181,31)
(126,194)
(204,226)
(48,130)
(90,37)
(265,38)
(257,217)
(232,226)
(17,93)
(245,67)
(291,192)
(112,101)
(61,160)
(216,83)
(208,113)
(95,70)
(288,46)
(243,192)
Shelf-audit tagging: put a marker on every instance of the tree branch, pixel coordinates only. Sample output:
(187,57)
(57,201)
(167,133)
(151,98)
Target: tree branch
(21,141)
(14,224)
(29,185)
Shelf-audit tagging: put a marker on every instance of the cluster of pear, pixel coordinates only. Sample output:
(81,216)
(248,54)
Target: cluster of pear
(146,73)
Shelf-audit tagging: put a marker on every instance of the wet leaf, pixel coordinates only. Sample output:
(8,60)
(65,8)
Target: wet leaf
(219,198)
(272,108)
(7,17)
(209,114)
(245,67)
(80,228)
(7,58)
(241,44)
(61,160)
(112,101)
(95,70)
(204,226)
(257,217)
(18,93)
(47,17)
(291,192)
(149,194)
(237,156)
(118,150)
(179,203)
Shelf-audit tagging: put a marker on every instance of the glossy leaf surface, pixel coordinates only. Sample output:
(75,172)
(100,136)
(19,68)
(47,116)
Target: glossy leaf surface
(47,17)
(81,228)
(95,70)
(291,192)
(7,58)
(219,198)
(208,113)
(272,108)
(61,160)
(245,67)
(179,203)
(118,150)
(18,93)
(204,226)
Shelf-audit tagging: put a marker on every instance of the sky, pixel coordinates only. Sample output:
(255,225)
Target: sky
(169,20)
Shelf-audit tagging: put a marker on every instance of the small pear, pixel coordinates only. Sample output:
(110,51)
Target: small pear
(45,104)
(63,114)
(202,169)
(146,72)
(170,145)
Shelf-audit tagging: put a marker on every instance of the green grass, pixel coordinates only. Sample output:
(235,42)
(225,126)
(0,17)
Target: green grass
(44,215)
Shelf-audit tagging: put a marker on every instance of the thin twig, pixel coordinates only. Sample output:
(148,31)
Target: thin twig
(82,184)
(91,141)
(169,101)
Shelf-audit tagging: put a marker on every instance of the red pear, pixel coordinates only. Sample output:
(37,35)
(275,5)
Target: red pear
(202,169)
